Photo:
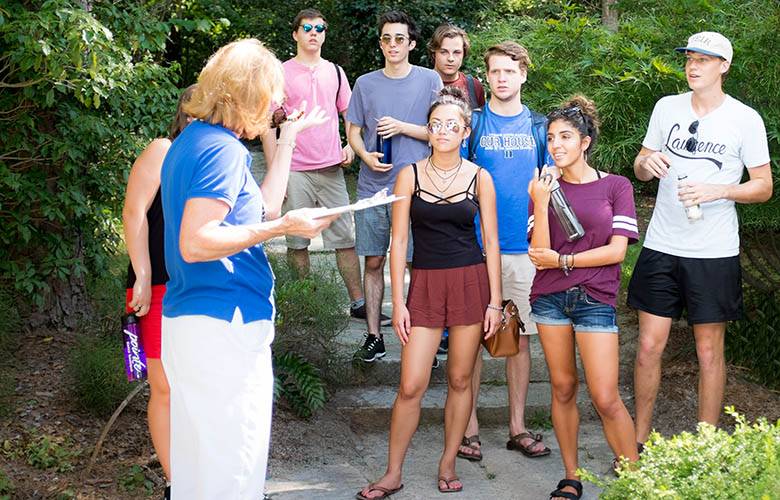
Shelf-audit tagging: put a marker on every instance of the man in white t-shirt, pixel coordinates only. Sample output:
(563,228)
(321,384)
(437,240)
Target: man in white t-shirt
(698,145)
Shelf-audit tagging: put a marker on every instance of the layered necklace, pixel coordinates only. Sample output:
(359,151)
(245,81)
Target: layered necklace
(447,176)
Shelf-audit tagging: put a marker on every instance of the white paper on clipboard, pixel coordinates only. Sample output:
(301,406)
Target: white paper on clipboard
(380,198)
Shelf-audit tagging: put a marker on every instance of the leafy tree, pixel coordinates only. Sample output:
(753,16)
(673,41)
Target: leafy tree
(81,94)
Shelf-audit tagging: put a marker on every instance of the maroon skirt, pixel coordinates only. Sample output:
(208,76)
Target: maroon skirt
(448,297)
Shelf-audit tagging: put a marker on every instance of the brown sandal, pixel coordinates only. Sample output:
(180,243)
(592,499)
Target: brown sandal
(447,485)
(515,443)
(468,442)
(386,492)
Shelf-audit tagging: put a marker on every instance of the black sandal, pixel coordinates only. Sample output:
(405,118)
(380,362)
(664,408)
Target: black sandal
(572,483)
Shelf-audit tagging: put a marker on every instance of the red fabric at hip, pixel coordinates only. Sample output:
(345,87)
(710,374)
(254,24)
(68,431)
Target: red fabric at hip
(448,297)
(151,322)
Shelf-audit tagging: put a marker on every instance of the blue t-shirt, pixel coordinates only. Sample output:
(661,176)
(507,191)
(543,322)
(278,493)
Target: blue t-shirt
(507,149)
(407,99)
(208,161)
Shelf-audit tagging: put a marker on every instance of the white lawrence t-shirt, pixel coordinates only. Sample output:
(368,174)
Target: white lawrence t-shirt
(730,138)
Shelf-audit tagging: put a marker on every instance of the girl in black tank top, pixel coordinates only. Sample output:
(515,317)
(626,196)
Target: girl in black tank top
(454,284)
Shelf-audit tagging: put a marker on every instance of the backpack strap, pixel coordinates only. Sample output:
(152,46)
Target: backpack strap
(476,131)
(539,131)
(472,91)
(338,89)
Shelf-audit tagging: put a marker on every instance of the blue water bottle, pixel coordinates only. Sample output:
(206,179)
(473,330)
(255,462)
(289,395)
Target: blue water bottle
(384,145)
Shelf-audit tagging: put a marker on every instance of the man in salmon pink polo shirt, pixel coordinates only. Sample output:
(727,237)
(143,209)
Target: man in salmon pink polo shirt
(316,176)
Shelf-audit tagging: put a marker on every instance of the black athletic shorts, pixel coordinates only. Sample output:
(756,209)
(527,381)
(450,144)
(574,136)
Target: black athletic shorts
(710,290)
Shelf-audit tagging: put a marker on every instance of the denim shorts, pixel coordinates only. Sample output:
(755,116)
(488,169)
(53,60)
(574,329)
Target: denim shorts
(574,307)
(372,232)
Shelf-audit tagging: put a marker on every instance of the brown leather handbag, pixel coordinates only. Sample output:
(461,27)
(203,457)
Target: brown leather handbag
(506,340)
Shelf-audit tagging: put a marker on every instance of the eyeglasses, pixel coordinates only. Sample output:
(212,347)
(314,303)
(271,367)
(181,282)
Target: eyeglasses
(319,28)
(450,126)
(693,141)
(398,39)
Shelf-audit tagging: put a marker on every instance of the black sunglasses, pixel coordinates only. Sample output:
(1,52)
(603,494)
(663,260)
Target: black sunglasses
(693,141)
(319,28)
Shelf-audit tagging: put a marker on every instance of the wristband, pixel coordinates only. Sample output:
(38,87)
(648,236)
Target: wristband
(495,308)
(282,142)
(562,264)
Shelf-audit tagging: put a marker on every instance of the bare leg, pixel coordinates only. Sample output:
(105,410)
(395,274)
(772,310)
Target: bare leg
(600,358)
(712,369)
(558,344)
(349,268)
(299,260)
(416,358)
(518,376)
(653,334)
(472,428)
(462,354)
(374,283)
(159,414)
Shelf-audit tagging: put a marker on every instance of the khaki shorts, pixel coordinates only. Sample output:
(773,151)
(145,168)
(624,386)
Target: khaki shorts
(324,187)
(517,275)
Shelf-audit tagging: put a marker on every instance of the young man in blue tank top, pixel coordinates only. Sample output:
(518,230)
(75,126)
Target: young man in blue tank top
(510,141)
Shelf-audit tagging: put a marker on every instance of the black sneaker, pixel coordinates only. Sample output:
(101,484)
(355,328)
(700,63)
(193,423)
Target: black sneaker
(167,493)
(372,349)
(360,313)
(435,363)
(443,345)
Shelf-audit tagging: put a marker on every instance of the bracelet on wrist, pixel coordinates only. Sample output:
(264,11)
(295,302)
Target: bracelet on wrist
(283,142)
(495,307)
(562,264)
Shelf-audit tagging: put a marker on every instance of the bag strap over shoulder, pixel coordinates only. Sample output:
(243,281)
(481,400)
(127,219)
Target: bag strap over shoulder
(472,91)
(539,131)
(476,131)
(338,89)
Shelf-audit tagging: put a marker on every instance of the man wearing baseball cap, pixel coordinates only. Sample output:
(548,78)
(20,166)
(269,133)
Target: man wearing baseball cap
(697,145)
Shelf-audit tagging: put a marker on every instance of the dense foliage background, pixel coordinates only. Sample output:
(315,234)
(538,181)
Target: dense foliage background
(85,85)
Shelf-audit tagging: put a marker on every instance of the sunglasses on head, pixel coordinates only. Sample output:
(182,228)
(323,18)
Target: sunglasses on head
(319,28)
(450,126)
(693,141)
(398,39)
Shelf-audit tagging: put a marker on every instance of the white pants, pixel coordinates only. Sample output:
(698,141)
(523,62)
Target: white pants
(221,383)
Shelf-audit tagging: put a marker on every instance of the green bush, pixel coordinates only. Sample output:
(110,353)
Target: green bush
(711,464)
(82,95)
(311,312)
(97,371)
(753,342)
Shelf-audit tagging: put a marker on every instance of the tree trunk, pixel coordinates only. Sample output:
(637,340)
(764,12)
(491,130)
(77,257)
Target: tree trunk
(609,14)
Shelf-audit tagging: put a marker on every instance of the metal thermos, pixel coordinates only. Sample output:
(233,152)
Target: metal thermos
(564,213)
(384,145)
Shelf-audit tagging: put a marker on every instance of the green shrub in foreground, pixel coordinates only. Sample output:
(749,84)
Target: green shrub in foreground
(711,464)
(97,371)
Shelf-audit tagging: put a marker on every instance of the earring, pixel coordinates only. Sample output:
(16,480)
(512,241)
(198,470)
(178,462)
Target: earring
(464,143)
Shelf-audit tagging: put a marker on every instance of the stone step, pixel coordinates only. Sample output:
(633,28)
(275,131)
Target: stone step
(387,370)
(372,406)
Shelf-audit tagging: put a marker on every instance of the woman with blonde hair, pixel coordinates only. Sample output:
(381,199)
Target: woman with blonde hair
(218,309)
(142,218)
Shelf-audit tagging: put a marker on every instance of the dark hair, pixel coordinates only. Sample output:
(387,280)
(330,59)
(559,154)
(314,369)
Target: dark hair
(447,30)
(401,17)
(307,14)
(181,119)
(514,50)
(456,97)
(580,113)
